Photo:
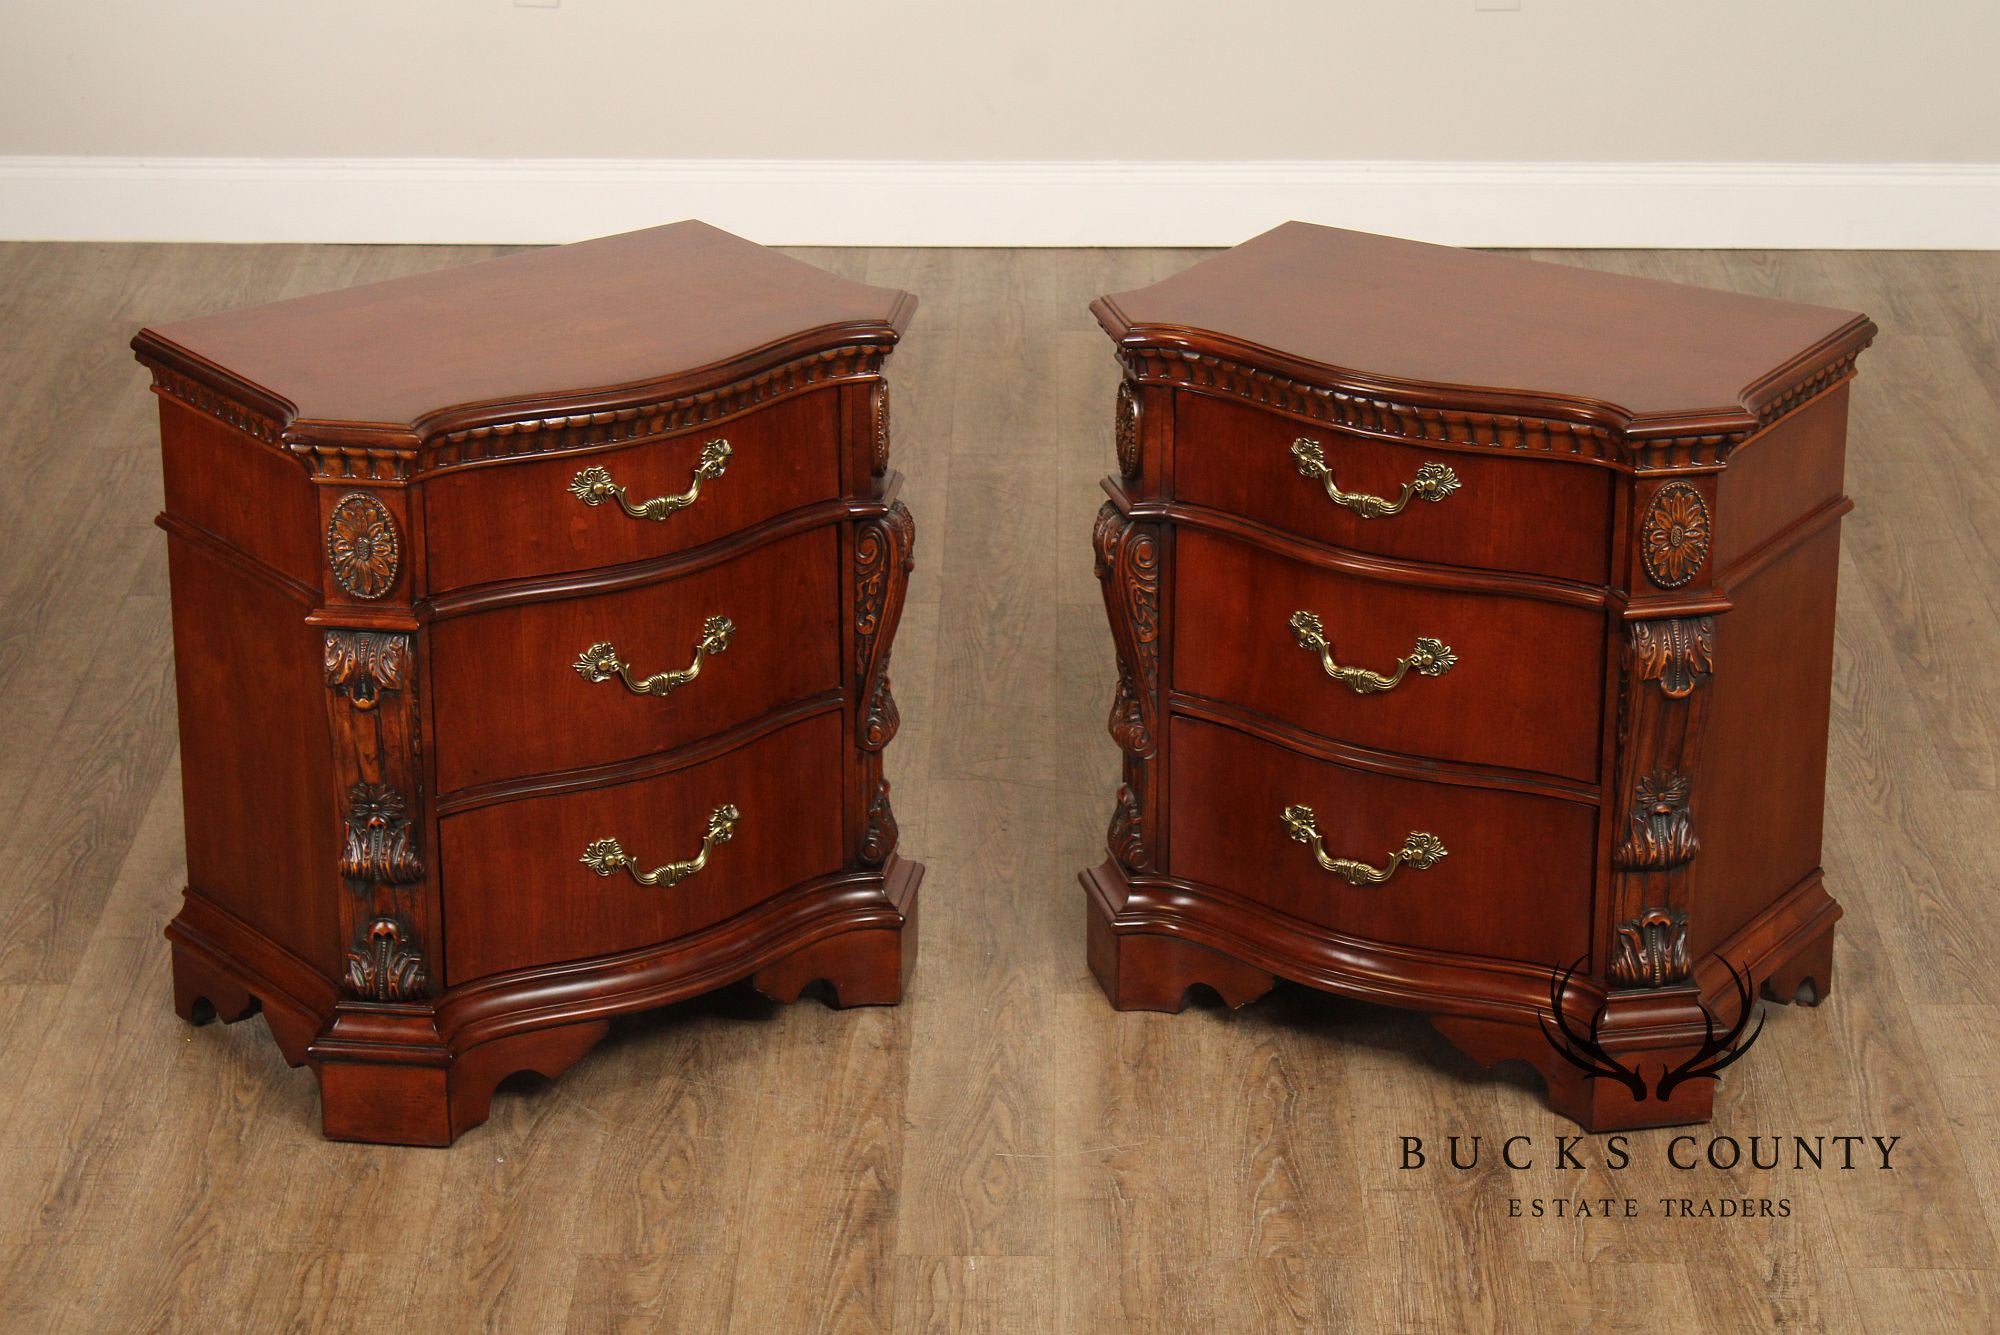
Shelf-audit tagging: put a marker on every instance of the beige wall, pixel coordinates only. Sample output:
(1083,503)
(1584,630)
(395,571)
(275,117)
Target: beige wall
(1560,80)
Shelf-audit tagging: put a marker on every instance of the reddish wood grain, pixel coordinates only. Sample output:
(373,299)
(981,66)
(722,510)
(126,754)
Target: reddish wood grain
(493,523)
(1508,514)
(1234,603)
(510,702)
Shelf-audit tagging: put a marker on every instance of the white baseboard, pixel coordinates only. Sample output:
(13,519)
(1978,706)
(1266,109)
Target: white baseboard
(827,203)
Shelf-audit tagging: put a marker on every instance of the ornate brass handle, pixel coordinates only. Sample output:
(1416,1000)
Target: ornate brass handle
(1419,850)
(604,856)
(1431,658)
(1433,482)
(593,486)
(600,662)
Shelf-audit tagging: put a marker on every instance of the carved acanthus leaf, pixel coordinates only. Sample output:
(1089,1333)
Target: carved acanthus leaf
(380,847)
(1659,829)
(364,665)
(1678,653)
(385,964)
(1650,950)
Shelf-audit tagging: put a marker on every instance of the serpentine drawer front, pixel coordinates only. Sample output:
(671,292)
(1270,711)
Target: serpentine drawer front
(1444,673)
(1474,623)
(781,836)
(552,516)
(1233,792)
(1390,498)
(532,625)
(531,688)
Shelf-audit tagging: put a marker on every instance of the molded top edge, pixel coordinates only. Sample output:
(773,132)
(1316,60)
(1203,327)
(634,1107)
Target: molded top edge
(652,314)
(1433,326)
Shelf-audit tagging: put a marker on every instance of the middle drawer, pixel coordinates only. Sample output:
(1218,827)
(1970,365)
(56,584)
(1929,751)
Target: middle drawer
(511,701)
(1510,682)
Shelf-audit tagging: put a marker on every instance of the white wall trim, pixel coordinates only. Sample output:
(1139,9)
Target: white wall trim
(814,202)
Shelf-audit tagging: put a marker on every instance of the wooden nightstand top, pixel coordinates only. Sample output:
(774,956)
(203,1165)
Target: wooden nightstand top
(1424,324)
(670,309)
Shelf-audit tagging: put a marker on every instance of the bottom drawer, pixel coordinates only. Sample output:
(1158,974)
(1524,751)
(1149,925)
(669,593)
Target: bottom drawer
(1514,881)
(517,894)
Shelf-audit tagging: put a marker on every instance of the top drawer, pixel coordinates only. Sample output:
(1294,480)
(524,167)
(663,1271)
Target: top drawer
(519,519)
(1543,518)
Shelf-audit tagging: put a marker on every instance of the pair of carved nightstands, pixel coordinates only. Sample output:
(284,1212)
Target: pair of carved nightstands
(532,619)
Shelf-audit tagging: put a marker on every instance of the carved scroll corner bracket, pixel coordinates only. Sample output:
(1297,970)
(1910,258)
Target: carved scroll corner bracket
(1128,568)
(878,838)
(1125,839)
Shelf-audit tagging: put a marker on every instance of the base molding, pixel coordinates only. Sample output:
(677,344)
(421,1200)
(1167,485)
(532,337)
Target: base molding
(1150,938)
(424,1073)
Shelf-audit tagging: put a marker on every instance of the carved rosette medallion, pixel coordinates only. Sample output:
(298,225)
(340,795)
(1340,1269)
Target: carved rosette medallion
(384,963)
(362,547)
(1674,535)
(380,847)
(879,403)
(1650,950)
(878,839)
(1125,430)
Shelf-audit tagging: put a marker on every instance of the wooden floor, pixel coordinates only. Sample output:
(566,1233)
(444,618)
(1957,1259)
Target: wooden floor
(1003,1151)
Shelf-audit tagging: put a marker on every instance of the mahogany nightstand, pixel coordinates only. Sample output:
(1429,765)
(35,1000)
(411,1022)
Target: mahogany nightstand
(532,627)
(1474,621)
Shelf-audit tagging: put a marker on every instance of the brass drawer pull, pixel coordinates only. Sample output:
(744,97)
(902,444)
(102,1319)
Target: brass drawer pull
(1433,482)
(593,486)
(1419,850)
(1431,658)
(600,662)
(604,856)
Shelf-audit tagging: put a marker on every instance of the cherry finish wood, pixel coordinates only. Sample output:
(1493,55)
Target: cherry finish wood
(491,523)
(1230,788)
(1233,596)
(511,702)
(1506,514)
(1426,324)
(681,308)
(788,834)
(382,580)
(1626,765)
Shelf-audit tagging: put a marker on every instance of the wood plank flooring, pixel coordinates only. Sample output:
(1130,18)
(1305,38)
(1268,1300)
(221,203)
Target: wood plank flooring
(1003,1152)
